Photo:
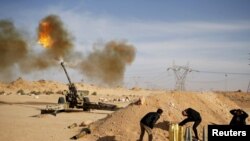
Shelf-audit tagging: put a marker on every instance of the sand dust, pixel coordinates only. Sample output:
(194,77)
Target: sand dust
(20,118)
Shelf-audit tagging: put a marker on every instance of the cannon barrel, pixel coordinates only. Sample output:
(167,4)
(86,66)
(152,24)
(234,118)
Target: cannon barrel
(66,72)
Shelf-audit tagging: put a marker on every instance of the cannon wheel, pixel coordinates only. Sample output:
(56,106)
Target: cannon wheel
(85,104)
(61,100)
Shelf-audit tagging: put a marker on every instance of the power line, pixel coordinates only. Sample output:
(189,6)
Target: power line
(155,75)
(215,72)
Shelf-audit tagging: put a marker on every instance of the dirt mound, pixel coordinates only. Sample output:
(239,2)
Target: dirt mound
(29,86)
(123,125)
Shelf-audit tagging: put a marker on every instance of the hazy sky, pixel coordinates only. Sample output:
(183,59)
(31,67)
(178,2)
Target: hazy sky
(211,36)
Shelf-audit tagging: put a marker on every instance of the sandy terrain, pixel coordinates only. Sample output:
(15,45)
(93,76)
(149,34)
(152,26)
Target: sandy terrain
(21,102)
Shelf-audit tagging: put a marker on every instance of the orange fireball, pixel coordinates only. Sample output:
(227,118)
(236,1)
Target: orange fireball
(44,35)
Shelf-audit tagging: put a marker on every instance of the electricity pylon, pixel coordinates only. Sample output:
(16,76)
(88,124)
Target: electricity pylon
(248,88)
(180,74)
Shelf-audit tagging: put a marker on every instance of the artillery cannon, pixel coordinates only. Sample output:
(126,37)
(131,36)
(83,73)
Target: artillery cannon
(73,98)
(76,99)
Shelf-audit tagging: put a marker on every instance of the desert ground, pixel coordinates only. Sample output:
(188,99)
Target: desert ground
(21,102)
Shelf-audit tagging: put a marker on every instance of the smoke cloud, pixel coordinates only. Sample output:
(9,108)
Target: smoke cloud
(13,49)
(57,42)
(54,37)
(107,66)
(16,56)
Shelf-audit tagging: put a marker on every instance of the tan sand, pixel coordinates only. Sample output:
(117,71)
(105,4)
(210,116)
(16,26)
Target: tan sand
(20,118)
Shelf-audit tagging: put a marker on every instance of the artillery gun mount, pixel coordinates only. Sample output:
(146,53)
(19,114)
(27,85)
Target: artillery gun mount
(76,99)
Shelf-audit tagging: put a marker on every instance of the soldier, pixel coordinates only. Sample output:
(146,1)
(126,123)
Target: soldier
(147,123)
(239,117)
(192,116)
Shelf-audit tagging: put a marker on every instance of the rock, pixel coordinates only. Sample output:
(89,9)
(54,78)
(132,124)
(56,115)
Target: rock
(141,101)
(86,123)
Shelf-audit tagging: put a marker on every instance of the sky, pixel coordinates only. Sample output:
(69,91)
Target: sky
(209,38)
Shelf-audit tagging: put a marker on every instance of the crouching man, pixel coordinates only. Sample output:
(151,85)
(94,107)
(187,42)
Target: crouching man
(147,123)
